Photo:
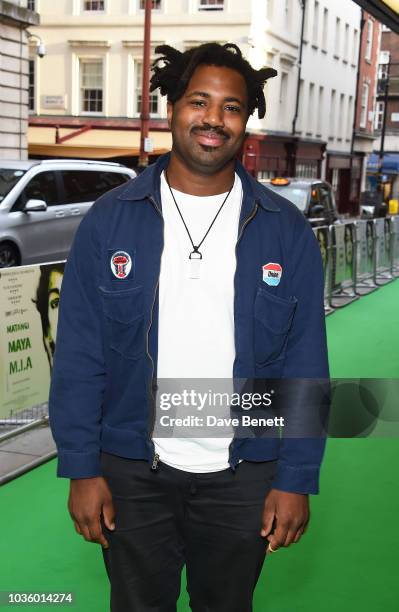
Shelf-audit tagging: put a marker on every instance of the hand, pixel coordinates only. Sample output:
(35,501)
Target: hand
(88,497)
(291,512)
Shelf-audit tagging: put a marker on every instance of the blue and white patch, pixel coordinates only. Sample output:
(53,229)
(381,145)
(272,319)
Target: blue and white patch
(272,274)
(121,264)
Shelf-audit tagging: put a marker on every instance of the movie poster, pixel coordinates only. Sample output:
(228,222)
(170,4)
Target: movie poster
(29,298)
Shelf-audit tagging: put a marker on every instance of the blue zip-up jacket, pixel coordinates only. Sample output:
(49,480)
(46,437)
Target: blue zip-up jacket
(104,375)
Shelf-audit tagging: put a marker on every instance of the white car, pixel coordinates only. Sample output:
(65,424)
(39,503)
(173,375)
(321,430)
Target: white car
(43,201)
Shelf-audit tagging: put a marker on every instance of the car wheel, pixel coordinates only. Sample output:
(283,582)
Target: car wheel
(9,255)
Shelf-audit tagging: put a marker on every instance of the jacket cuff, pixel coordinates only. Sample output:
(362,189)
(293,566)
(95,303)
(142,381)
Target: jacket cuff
(72,464)
(297,479)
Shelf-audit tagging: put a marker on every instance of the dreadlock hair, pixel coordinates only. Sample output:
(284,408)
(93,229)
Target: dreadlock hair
(174,75)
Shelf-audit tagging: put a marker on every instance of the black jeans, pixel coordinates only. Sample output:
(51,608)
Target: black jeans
(164,519)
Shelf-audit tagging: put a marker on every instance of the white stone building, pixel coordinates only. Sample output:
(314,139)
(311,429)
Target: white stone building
(89,82)
(15,17)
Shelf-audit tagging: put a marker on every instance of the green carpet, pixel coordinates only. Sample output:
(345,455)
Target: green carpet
(347,561)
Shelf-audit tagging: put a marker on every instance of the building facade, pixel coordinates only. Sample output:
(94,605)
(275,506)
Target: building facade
(383,167)
(364,132)
(15,17)
(87,90)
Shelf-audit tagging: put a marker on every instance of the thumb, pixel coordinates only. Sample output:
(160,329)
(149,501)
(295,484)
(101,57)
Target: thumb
(109,515)
(267,519)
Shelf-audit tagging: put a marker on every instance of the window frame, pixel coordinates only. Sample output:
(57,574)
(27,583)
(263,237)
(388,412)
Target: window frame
(84,10)
(32,86)
(154,10)
(364,107)
(369,40)
(139,62)
(211,8)
(82,59)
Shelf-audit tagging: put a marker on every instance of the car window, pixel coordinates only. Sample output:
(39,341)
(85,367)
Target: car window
(43,186)
(88,185)
(297,195)
(8,178)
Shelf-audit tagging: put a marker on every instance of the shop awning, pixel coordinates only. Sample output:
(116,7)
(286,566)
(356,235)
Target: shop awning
(386,11)
(94,143)
(390,163)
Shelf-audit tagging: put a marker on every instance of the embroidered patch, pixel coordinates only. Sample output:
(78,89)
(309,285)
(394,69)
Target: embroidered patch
(121,264)
(272,273)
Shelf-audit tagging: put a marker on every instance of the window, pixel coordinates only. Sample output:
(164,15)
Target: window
(31,90)
(288,12)
(337,47)
(283,89)
(43,186)
(369,41)
(341,119)
(88,185)
(300,126)
(325,30)
(156,5)
(93,5)
(379,115)
(364,105)
(315,35)
(332,113)
(310,109)
(91,86)
(270,8)
(210,5)
(355,49)
(346,42)
(320,111)
(154,96)
(31,5)
(349,118)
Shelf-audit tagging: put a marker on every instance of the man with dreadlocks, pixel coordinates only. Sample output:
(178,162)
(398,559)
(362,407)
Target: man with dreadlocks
(191,270)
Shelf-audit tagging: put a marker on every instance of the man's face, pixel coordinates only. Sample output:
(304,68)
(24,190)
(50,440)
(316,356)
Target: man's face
(208,121)
(54,287)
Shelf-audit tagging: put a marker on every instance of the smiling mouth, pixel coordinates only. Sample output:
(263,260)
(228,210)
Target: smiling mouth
(209,139)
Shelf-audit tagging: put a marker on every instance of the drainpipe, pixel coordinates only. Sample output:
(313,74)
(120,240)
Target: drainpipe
(303,6)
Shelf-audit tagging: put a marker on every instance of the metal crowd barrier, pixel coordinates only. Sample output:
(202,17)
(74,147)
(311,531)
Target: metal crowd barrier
(365,238)
(323,236)
(358,257)
(343,265)
(383,252)
(395,245)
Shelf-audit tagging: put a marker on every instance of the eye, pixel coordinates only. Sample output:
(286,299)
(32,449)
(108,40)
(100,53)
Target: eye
(197,102)
(235,109)
(54,303)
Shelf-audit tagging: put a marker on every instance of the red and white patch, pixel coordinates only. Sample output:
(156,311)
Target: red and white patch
(121,264)
(272,273)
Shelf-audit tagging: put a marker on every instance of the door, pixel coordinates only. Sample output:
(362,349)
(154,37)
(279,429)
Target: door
(80,189)
(39,232)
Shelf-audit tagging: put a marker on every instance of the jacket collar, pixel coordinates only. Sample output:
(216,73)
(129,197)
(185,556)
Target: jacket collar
(148,184)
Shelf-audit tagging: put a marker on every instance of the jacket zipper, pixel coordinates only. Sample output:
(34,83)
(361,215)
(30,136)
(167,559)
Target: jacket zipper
(155,458)
(247,220)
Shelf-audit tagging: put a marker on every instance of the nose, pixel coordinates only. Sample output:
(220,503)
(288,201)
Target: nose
(214,116)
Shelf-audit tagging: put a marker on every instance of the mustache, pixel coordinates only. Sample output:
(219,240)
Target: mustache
(209,129)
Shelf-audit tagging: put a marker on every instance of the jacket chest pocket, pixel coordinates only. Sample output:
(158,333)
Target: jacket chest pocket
(273,320)
(124,314)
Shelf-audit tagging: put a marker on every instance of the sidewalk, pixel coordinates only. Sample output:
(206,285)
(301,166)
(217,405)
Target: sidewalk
(24,450)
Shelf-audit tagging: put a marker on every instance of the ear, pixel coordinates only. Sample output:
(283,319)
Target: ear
(169,112)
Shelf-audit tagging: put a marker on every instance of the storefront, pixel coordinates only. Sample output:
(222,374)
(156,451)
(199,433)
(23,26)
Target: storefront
(268,156)
(388,176)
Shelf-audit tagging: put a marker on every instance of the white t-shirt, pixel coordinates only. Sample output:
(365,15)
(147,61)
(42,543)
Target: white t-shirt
(196,316)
